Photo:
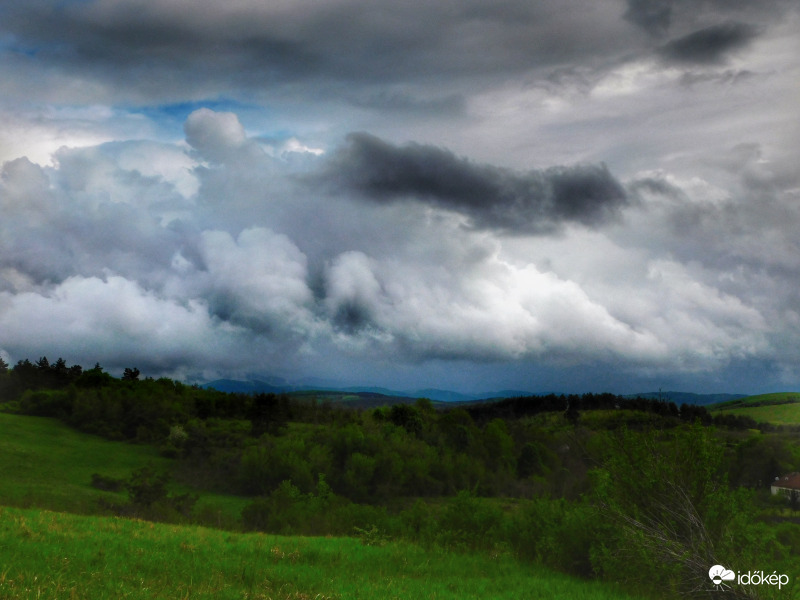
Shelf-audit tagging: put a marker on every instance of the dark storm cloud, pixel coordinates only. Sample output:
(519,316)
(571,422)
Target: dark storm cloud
(155,48)
(654,16)
(535,201)
(659,17)
(709,45)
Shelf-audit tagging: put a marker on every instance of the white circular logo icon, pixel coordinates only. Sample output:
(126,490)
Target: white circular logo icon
(718,574)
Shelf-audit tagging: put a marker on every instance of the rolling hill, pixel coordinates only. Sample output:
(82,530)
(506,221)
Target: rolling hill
(782,408)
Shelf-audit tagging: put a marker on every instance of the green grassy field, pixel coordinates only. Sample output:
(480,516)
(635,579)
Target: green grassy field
(46,464)
(53,555)
(760,399)
(780,409)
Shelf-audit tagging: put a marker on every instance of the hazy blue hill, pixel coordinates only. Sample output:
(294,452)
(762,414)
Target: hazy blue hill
(444,395)
(246,387)
(375,395)
(276,385)
(512,394)
(688,398)
(366,389)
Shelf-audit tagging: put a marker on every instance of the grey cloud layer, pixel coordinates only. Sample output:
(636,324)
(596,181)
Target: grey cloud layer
(141,277)
(531,202)
(661,17)
(165,50)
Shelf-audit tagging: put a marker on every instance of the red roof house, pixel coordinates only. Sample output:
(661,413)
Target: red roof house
(786,484)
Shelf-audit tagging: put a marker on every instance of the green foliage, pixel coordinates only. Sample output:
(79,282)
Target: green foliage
(499,446)
(149,497)
(670,513)
(109,484)
(287,510)
(759,459)
(269,413)
(788,535)
(130,374)
(147,486)
(468,522)
(264,466)
(47,403)
(535,459)
(408,417)
(459,429)
(371,536)
(557,533)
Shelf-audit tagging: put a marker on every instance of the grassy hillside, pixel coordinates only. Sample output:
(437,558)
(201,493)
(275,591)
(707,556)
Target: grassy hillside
(760,400)
(53,555)
(780,408)
(47,464)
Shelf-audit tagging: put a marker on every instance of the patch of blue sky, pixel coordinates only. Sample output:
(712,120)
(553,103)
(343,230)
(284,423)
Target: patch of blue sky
(179,111)
(258,121)
(10,43)
(169,118)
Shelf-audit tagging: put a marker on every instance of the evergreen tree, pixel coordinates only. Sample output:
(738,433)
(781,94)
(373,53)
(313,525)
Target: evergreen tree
(130,374)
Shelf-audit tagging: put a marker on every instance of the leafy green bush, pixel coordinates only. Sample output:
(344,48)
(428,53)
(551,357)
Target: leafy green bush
(149,499)
(670,512)
(104,482)
(147,486)
(468,522)
(47,403)
(287,510)
(557,533)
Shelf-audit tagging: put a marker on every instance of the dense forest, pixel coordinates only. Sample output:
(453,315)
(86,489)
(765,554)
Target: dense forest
(634,490)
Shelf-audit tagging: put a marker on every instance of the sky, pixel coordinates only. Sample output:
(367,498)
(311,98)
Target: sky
(540,195)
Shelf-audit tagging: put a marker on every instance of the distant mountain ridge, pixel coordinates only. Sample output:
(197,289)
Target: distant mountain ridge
(277,385)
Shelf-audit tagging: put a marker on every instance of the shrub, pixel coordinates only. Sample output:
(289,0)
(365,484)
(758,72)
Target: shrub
(468,522)
(670,513)
(147,490)
(287,510)
(104,482)
(47,403)
(146,486)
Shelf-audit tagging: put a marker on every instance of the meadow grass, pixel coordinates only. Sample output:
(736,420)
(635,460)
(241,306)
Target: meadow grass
(46,464)
(54,555)
(758,400)
(772,398)
(777,414)
(779,409)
